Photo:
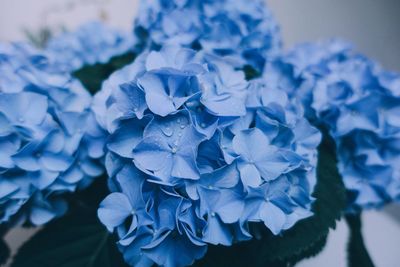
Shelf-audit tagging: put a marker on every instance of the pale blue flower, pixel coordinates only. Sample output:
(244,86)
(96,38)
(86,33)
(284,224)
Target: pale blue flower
(190,142)
(168,149)
(258,160)
(44,116)
(270,204)
(245,31)
(358,102)
(93,42)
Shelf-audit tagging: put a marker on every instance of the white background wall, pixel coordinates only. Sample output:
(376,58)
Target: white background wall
(372,25)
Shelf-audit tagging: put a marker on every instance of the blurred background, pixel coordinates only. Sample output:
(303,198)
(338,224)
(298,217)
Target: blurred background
(372,26)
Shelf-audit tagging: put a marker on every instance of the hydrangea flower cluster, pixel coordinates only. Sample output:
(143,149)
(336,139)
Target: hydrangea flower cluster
(196,153)
(360,104)
(93,42)
(244,30)
(45,128)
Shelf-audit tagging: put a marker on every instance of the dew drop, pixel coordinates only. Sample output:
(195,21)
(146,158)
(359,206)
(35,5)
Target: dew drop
(213,214)
(168,131)
(174,150)
(354,113)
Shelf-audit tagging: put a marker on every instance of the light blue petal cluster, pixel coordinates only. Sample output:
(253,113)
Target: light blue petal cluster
(93,42)
(45,131)
(196,153)
(359,102)
(241,29)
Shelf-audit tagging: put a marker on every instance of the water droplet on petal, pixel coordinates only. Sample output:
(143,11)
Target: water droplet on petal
(203,125)
(213,214)
(173,150)
(168,131)
(354,113)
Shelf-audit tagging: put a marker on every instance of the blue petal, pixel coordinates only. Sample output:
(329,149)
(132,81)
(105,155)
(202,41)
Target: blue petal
(156,94)
(216,232)
(125,138)
(24,107)
(273,217)
(114,210)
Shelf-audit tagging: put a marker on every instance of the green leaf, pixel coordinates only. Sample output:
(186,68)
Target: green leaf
(250,72)
(357,254)
(305,239)
(77,240)
(92,76)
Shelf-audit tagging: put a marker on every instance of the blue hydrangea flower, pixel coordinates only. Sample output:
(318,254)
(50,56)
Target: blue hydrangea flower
(45,151)
(359,103)
(196,153)
(243,30)
(93,42)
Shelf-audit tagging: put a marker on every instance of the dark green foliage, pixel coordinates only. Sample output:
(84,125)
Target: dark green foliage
(76,240)
(306,239)
(250,72)
(73,241)
(93,76)
(357,254)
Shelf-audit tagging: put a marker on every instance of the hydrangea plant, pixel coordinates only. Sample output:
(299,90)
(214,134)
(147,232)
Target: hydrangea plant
(243,30)
(219,149)
(358,102)
(45,137)
(93,42)
(194,156)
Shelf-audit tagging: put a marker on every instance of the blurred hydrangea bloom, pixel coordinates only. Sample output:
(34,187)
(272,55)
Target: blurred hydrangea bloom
(93,42)
(360,104)
(44,148)
(244,30)
(196,153)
